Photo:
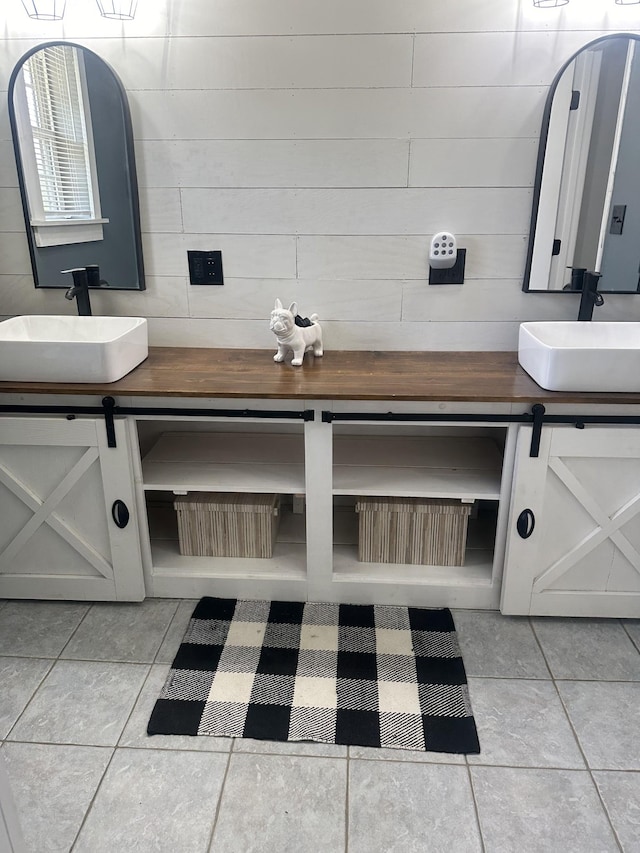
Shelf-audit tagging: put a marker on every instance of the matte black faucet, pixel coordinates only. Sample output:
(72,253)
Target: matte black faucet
(590,296)
(80,290)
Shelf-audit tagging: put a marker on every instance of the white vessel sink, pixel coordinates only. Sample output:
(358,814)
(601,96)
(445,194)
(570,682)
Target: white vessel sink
(45,348)
(581,356)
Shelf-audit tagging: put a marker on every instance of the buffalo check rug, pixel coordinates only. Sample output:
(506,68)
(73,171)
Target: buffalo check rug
(366,675)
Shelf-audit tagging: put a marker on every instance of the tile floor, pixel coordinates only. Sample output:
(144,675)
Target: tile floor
(557,703)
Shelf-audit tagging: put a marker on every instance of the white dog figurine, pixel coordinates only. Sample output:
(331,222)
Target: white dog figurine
(295,333)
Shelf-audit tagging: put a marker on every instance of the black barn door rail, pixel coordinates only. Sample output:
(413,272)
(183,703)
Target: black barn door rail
(110,410)
(537,417)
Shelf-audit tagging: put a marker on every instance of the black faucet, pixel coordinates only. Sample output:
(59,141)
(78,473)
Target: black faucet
(590,296)
(80,289)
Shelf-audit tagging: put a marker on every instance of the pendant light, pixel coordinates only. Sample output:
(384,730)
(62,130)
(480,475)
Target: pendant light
(124,10)
(45,10)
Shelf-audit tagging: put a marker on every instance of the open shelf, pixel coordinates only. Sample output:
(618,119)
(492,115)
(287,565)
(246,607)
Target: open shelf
(437,466)
(287,563)
(476,570)
(225,462)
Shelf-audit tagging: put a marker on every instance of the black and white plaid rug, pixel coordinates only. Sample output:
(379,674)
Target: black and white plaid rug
(366,675)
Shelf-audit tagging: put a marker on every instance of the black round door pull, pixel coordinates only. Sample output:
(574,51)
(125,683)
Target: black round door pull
(525,523)
(120,513)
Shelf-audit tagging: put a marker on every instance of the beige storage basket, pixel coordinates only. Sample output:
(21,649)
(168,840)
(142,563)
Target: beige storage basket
(419,531)
(227,524)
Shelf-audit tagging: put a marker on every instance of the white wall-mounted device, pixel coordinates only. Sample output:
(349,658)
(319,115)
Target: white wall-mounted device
(443,251)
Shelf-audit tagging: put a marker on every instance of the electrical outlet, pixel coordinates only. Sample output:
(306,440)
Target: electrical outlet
(205,267)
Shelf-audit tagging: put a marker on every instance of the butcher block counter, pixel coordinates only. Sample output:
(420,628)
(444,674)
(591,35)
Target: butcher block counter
(359,375)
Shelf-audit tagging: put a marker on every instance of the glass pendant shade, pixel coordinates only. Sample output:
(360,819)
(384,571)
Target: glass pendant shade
(45,10)
(120,9)
(627,2)
(546,4)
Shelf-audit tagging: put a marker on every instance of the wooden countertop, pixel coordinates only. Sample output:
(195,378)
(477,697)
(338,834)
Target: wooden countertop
(347,375)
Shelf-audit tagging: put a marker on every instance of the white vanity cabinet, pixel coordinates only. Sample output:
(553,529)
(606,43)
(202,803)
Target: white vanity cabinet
(573,546)
(68,522)
(552,534)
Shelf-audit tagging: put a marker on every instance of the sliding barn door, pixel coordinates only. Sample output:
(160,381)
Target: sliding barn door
(574,531)
(67,513)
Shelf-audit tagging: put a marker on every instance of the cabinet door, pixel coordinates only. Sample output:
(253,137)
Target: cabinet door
(67,512)
(573,544)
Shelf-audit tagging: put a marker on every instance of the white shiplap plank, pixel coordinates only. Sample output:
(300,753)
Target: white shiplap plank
(285,17)
(446,336)
(337,257)
(14,253)
(339,113)
(483,300)
(493,59)
(273,163)
(250,256)
(473,162)
(160,210)
(265,62)
(356,301)
(11,216)
(8,171)
(163,297)
(357,211)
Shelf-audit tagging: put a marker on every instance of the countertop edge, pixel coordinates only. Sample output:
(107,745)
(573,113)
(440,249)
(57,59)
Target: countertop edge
(402,376)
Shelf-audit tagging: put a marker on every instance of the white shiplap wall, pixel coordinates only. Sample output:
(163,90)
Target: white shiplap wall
(319,144)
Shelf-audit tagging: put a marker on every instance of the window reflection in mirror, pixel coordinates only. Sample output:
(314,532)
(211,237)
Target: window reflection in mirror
(74,150)
(586,210)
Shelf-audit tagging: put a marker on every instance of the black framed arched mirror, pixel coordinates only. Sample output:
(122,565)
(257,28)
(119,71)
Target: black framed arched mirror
(73,143)
(586,205)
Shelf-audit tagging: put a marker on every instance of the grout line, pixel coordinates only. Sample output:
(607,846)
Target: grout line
(475,804)
(31,698)
(93,798)
(633,642)
(168,628)
(346,803)
(219,803)
(75,630)
(135,702)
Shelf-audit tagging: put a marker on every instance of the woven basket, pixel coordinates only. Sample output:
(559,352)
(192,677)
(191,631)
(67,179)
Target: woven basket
(419,531)
(227,524)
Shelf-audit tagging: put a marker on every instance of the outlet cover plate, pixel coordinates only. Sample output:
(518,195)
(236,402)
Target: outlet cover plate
(205,267)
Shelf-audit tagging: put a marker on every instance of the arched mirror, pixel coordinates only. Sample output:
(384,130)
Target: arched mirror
(73,142)
(586,207)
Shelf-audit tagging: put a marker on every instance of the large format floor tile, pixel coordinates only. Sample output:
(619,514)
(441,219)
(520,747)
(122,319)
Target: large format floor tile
(154,800)
(621,795)
(540,810)
(38,629)
(82,703)
(401,807)
(19,678)
(606,717)
(135,732)
(498,646)
(597,649)
(122,632)
(52,787)
(522,723)
(281,802)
